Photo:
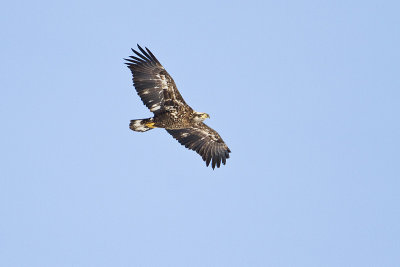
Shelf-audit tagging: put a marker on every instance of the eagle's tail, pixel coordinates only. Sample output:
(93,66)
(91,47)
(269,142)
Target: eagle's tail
(142,125)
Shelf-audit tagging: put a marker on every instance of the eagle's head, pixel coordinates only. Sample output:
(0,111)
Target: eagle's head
(200,116)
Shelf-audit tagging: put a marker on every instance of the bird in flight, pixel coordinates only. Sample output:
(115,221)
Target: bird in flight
(159,93)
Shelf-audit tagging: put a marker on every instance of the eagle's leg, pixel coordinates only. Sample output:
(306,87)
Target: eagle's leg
(142,125)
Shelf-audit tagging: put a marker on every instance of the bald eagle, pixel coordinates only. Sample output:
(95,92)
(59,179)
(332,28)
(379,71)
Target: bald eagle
(158,92)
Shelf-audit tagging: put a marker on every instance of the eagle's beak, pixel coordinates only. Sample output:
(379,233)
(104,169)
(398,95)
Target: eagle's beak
(206,116)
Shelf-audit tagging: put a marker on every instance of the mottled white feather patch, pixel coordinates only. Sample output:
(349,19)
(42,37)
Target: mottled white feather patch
(138,126)
(184,135)
(164,81)
(155,107)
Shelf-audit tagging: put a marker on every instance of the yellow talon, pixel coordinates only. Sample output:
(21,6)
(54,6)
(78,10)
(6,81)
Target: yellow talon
(150,125)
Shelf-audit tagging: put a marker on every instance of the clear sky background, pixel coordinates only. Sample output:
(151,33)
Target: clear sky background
(305,93)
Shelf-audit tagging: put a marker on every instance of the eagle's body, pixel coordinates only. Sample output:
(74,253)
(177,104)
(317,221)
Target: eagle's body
(178,119)
(159,93)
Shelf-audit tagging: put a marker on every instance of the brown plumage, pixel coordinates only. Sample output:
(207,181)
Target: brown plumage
(159,93)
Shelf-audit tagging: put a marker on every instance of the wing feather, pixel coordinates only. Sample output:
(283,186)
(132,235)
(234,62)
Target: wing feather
(153,84)
(140,55)
(205,141)
(152,56)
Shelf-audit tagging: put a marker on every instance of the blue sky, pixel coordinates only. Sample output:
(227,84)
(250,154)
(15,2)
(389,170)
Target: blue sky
(305,93)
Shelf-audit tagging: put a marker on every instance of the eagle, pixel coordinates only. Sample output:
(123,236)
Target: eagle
(159,93)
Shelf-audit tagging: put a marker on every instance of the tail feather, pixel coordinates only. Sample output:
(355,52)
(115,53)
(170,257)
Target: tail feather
(142,125)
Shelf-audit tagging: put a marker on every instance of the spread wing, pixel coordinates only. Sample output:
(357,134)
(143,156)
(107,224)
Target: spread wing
(205,141)
(153,84)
